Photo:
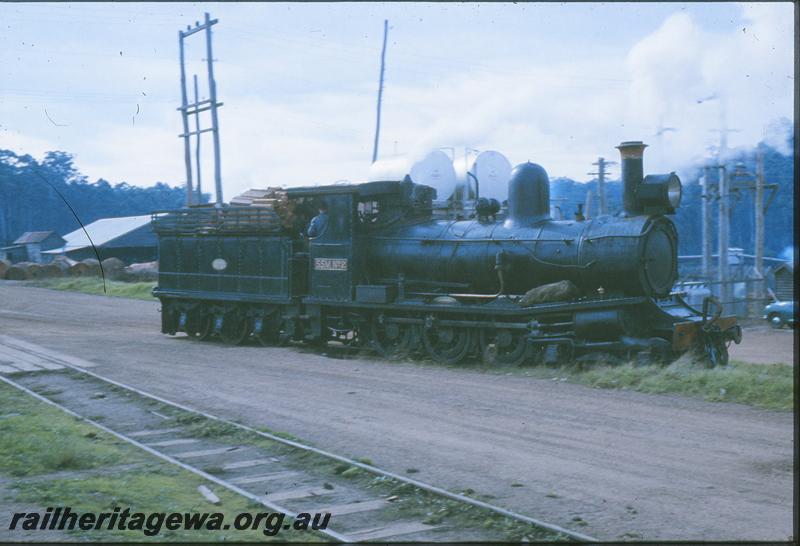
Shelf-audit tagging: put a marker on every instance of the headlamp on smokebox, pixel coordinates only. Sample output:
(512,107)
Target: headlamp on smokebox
(660,193)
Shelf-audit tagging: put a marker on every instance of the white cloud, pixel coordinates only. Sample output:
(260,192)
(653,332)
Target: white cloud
(560,116)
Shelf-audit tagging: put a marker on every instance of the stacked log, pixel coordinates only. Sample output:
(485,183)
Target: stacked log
(93,267)
(274,199)
(113,268)
(4,265)
(34,270)
(54,270)
(17,272)
(79,269)
(64,262)
(147,271)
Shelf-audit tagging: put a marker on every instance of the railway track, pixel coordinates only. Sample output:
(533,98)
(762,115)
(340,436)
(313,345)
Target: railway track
(366,503)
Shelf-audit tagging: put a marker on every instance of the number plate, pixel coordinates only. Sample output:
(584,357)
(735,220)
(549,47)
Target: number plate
(330,264)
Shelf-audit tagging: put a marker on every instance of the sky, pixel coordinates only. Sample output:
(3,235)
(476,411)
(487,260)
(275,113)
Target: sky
(558,84)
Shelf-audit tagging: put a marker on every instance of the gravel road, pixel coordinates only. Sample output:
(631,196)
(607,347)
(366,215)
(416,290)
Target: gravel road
(602,462)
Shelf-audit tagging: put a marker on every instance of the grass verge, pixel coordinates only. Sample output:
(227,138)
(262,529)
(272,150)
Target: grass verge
(40,445)
(94,285)
(764,386)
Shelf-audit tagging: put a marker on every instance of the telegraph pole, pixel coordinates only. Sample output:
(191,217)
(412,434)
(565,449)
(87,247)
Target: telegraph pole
(758,185)
(187,153)
(705,212)
(212,85)
(194,109)
(724,234)
(723,196)
(197,141)
(380,92)
(759,220)
(601,180)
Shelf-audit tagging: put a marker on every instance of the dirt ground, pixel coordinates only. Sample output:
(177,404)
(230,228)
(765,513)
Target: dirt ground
(656,467)
(762,344)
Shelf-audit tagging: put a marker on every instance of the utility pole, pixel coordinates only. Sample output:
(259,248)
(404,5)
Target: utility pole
(758,185)
(197,142)
(380,92)
(187,154)
(705,215)
(195,108)
(212,85)
(759,221)
(601,181)
(723,195)
(724,234)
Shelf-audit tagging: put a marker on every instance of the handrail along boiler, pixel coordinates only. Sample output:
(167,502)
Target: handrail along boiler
(388,272)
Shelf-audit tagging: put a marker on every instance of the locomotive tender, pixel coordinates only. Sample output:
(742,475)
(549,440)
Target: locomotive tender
(389,274)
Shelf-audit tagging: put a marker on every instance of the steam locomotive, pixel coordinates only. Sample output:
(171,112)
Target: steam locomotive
(506,284)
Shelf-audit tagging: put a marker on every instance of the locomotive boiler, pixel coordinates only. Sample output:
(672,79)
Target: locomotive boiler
(635,253)
(390,273)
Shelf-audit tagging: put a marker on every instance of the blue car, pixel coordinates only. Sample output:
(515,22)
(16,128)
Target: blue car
(780,313)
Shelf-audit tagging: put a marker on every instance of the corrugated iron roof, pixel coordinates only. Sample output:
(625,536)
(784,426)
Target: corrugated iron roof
(101,231)
(32,237)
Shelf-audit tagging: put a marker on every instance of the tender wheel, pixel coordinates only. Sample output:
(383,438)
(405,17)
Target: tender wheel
(169,319)
(448,345)
(392,340)
(272,332)
(776,321)
(204,328)
(198,325)
(235,330)
(504,347)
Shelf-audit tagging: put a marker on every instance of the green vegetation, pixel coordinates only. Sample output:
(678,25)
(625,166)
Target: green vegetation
(94,285)
(56,460)
(764,386)
(33,441)
(407,501)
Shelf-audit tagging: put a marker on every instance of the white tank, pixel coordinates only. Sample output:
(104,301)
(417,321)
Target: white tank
(492,171)
(389,169)
(435,170)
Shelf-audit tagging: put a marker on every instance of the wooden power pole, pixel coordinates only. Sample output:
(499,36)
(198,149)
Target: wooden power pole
(195,108)
(601,173)
(723,235)
(759,217)
(380,92)
(705,216)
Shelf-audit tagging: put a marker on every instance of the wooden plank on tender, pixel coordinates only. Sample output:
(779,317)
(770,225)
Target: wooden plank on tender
(264,477)
(350,508)
(396,529)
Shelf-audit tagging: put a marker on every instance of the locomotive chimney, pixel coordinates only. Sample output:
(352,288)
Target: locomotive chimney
(632,175)
(528,195)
